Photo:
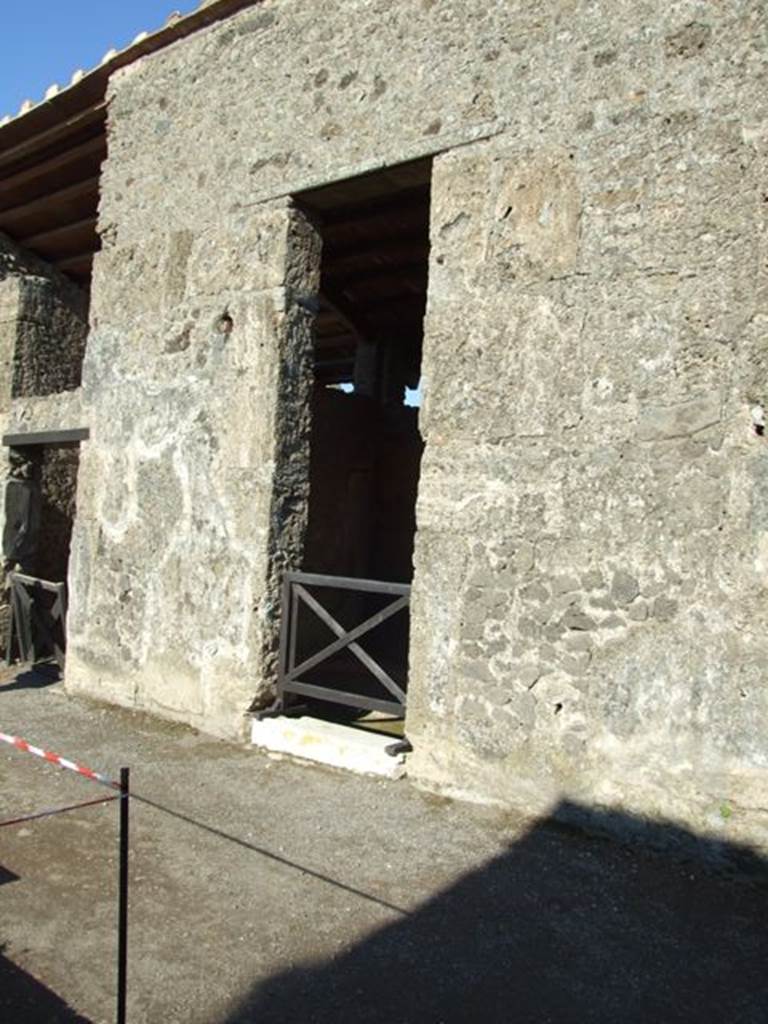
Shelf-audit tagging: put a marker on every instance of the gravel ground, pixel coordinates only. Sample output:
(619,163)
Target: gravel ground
(266,891)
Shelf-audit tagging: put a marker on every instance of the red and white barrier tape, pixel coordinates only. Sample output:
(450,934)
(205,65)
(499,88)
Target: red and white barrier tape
(62,762)
(59,810)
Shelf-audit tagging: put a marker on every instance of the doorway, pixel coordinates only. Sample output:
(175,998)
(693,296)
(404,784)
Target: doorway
(40,496)
(365,446)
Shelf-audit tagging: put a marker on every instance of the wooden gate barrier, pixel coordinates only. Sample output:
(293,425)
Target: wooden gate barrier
(297,587)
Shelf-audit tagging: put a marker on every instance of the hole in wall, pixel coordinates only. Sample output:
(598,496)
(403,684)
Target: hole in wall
(225,324)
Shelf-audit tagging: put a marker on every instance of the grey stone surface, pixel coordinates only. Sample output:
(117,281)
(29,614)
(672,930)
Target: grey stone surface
(43,334)
(591,351)
(624,588)
(43,330)
(193,500)
(594,341)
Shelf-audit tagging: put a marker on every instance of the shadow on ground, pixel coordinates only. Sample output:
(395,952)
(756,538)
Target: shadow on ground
(561,928)
(7,876)
(24,1000)
(33,677)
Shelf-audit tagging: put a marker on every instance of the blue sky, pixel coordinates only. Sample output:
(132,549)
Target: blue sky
(46,41)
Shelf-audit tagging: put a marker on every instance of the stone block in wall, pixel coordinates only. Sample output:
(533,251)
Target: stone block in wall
(503,355)
(181,267)
(49,353)
(536,210)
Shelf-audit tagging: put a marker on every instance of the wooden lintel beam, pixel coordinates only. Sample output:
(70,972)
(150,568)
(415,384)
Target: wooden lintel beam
(46,437)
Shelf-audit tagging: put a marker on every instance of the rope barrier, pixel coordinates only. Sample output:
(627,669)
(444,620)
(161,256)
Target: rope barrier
(57,759)
(59,810)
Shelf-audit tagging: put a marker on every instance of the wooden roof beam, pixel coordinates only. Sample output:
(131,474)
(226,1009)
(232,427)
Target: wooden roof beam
(409,200)
(346,313)
(58,131)
(92,147)
(53,235)
(368,275)
(78,264)
(384,220)
(404,248)
(50,201)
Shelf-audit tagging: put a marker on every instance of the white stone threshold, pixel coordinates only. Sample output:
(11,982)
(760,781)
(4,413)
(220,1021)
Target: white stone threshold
(340,746)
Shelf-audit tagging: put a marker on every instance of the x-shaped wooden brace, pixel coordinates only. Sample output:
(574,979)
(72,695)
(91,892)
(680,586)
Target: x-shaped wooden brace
(347,638)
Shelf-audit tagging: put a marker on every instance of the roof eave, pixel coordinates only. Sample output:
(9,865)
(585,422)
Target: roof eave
(89,88)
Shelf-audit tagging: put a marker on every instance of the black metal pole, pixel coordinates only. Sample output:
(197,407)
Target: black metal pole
(122,906)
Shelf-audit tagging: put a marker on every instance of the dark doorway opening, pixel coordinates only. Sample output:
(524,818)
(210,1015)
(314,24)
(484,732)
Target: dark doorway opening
(365,443)
(40,498)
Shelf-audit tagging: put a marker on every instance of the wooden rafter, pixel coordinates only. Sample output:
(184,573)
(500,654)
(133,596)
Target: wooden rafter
(60,233)
(50,202)
(92,148)
(60,130)
(346,312)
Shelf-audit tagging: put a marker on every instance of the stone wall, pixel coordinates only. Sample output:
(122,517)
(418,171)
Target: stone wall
(591,500)
(43,326)
(193,490)
(43,331)
(590,588)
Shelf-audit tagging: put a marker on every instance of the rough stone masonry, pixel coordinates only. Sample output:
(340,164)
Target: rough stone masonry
(590,610)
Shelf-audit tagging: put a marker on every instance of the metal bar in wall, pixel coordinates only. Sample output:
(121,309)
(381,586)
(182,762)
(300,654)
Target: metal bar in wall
(46,437)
